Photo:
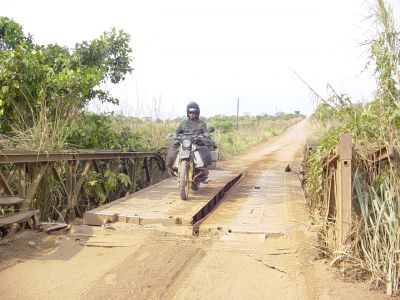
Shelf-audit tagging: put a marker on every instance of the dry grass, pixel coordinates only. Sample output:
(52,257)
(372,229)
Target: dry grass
(152,133)
(45,134)
(252,131)
(375,246)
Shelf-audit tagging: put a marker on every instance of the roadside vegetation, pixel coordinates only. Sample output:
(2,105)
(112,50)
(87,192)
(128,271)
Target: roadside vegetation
(45,91)
(44,95)
(372,252)
(232,136)
(250,132)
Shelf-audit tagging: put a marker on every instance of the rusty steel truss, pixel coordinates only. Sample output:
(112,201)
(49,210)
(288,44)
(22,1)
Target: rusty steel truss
(338,168)
(23,175)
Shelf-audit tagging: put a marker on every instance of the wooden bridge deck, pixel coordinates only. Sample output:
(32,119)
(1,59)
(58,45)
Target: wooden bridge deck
(160,203)
(263,203)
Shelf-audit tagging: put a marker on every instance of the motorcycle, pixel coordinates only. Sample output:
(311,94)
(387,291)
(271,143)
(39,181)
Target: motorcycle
(189,166)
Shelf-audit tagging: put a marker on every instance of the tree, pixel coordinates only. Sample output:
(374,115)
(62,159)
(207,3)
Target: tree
(11,34)
(54,80)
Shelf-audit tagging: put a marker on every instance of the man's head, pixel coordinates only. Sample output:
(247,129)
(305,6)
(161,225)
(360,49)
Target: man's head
(193,111)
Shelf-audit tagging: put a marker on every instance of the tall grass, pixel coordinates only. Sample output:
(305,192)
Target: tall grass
(374,252)
(230,141)
(373,246)
(151,133)
(44,132)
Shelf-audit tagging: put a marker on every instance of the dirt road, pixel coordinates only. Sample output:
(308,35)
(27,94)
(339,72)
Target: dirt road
(154,262)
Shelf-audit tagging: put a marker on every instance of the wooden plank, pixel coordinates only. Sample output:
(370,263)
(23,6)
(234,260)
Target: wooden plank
(56,227)
(11,200)
(18,217)
(160,203)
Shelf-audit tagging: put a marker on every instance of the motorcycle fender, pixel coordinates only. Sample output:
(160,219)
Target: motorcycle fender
(179,157)
(184,154)
(191,170)
(198,161)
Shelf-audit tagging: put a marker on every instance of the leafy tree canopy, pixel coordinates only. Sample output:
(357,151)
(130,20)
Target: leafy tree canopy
(11,34)
(54,79)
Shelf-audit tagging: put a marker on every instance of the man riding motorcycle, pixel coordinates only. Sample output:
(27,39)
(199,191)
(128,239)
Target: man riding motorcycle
(195,126)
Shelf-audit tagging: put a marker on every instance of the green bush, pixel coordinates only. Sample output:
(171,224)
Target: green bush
(97,132)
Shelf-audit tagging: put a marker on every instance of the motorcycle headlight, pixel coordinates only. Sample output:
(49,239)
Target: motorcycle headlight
(186,143)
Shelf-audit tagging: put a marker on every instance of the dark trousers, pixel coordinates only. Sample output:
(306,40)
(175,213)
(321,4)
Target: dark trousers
(171,156)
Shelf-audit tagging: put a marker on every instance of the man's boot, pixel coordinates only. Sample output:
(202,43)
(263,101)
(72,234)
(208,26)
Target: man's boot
(195,186)
(202,175)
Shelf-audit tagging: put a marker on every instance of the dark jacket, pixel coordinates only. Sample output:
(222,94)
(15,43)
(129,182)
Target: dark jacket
(192,126)
(196,127)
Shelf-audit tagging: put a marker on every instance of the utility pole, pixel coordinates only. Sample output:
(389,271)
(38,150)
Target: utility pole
(237,115)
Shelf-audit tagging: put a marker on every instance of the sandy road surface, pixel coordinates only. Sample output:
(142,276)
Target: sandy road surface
(155,262)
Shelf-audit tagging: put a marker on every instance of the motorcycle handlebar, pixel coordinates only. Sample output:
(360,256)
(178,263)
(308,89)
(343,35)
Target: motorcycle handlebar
(180,136)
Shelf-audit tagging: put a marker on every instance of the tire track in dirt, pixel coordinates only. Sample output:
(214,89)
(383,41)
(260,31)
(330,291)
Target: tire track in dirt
(148,273)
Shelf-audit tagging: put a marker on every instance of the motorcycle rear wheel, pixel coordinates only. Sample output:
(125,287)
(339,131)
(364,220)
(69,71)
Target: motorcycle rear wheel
(184,180)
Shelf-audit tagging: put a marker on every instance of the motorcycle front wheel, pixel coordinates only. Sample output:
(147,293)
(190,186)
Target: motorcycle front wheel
(184,179)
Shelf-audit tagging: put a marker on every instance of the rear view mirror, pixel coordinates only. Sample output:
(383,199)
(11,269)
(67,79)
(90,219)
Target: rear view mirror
(211,129)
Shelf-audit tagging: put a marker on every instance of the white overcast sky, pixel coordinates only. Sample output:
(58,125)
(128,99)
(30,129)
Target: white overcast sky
(214,52)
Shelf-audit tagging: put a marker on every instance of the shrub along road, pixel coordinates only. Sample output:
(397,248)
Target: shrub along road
(154,262)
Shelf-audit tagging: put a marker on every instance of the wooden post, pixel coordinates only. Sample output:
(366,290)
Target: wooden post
(344,185)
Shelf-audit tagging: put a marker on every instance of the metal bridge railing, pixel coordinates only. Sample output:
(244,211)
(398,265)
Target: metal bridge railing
(339,167)
(25,175)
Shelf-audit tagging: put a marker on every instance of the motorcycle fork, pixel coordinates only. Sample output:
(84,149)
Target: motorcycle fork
(191,170)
